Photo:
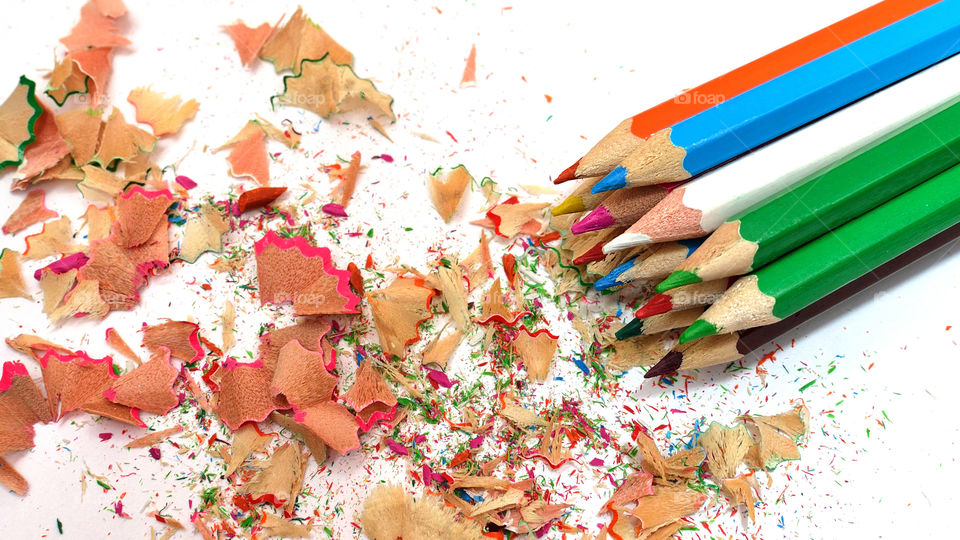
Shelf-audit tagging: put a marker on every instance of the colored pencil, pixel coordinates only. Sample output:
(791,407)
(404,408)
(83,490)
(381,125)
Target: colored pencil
(630,133)
(581,199)
(770,229)
(700,206)
(724,348)
(660,261)
(737,125)
(822,266)
(621,208)
(609,263)
(698,294)
(562,223)
(610,280)
(587,249)
(659,323)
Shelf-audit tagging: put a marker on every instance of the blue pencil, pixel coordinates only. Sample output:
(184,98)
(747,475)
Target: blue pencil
(660,261)
(610,280)
(817,88)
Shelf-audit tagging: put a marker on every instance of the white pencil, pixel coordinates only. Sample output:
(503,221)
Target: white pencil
(700,206)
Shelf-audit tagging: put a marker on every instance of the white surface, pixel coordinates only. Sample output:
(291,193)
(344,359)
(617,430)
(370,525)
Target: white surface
(890,351)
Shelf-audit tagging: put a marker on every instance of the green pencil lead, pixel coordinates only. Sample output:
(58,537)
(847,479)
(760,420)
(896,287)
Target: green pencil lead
(699,329)
(678,279)
(631,329)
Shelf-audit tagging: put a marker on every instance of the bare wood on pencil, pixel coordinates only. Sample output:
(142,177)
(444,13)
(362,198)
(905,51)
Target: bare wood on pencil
(671,320)
(670,220)
(743,306)
(656,161)
(662,260)
(612,148)
(722,254)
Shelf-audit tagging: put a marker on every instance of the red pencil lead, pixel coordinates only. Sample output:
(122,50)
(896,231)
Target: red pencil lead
(569,174)
(592,255)
(660,303)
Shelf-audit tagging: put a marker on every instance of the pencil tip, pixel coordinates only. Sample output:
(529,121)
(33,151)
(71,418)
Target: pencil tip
(569,205)
(615,179)
(631,329)
(596,220)
(592,255)
(607,281)
(699,329)
(678,279)
(660,303)
(670,363)
(613,278)
(625,241)
(569,173)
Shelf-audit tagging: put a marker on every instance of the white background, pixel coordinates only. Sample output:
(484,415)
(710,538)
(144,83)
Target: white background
(891,348)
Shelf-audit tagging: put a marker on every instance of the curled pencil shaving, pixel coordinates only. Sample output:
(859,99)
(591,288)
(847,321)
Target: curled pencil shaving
(675,469)
(453,288)
(326,88)
(299,39)
(246,440)
(291,270)
(308,332)
(279,479)
(247,40)
(55,238)
(536,350)
(181,338)
(165,115)
(148,387)
(47,151)
(203,233)
(389,513)
(441,348)
(446,193)
(397,311)
(76,381)
(346,180)
(11,277)
(370,397)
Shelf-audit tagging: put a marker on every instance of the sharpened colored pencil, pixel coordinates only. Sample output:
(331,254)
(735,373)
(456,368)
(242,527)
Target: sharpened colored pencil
(659,323)
(588,249)
(610,280)
(581,199)
(772,228)
(822,266)
(698,294)
(610,263)
(662,260)
(725,348)
(700,206)
(737,125)
(615,146)
(621,208)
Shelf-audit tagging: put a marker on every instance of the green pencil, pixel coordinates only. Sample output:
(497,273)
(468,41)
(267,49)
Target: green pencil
(813,271)
(655,324)
(828,199)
